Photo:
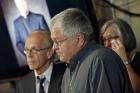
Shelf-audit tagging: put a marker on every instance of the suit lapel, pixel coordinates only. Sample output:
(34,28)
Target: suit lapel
(50,89)
(56,77)
(55,80)
(33,84)
(30,83)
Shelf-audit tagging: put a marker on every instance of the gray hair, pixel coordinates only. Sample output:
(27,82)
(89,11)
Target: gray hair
(126,31)
(45,35)
(71,22)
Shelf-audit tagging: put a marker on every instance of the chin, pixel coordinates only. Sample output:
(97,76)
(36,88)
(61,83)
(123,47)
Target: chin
(63,60)
(32,68)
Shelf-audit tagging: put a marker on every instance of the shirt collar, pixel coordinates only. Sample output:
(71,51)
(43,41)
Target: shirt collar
(28,15)
(78,58)
(47,73)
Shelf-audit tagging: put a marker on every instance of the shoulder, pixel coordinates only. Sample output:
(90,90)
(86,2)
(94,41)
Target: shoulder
(26,83)
(103,53)
(36,15)
(106,58)
(96,54)
(96,50)
(106,61)
(27,78)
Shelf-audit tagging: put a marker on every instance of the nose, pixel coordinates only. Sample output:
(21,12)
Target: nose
(107,43)
(55,47)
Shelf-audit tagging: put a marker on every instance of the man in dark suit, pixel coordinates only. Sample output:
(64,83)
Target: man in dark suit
(27,22)
(40,59)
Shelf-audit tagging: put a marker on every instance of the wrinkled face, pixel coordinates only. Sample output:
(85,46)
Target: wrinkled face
(110,34)
(22,7)
(37,54)
(65,47)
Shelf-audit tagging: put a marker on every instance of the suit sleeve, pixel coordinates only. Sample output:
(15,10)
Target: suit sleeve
(19,42)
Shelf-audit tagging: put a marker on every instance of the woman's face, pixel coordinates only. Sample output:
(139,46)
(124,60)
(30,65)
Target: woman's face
(111,33)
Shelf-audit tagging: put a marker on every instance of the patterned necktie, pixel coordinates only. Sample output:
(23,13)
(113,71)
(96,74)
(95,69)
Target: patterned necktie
(41,88)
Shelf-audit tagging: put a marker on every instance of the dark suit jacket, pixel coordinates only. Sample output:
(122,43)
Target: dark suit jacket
(33,21)
(27,83)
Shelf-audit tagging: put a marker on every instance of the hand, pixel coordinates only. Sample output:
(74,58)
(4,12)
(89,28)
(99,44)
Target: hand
(119,48)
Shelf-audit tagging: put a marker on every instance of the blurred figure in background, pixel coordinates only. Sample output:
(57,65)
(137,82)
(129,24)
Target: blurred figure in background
(118,35)
(27,22)
(47,74)
(91,68)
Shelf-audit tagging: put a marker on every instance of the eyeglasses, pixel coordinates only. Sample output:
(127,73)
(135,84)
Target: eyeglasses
(34,51)
(111,38)
(60,42)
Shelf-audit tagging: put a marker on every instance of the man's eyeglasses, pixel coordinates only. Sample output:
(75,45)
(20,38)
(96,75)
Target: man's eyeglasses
(34,51)
(60,42)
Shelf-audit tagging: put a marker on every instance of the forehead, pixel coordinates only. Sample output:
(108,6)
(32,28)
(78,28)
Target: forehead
(34,42)
(111,31)
(56,32)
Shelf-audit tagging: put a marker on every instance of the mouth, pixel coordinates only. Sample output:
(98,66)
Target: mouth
(58,52)
(60,55)
(108,46)
(30,62)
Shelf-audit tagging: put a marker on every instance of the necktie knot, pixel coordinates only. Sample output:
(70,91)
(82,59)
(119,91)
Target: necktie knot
(41,80)
(41,88)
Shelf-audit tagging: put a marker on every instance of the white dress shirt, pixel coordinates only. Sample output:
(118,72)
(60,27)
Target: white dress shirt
(47,75)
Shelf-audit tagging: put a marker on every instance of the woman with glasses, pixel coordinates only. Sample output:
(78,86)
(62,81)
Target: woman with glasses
(118,35)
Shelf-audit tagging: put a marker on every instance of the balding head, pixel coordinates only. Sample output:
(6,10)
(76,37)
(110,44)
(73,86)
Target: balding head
(42,37)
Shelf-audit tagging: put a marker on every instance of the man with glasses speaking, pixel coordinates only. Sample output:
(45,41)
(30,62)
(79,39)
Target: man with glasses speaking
(46,75)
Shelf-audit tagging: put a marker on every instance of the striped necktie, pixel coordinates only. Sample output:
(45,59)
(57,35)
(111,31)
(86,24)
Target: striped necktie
(41,88)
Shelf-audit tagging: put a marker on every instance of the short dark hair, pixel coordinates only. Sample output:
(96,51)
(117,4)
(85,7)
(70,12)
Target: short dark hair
(126,31)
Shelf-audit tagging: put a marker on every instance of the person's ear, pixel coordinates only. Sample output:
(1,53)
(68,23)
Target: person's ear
(80,39)
(50,53)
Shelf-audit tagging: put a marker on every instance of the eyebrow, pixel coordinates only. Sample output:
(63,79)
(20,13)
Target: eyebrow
(111,37)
